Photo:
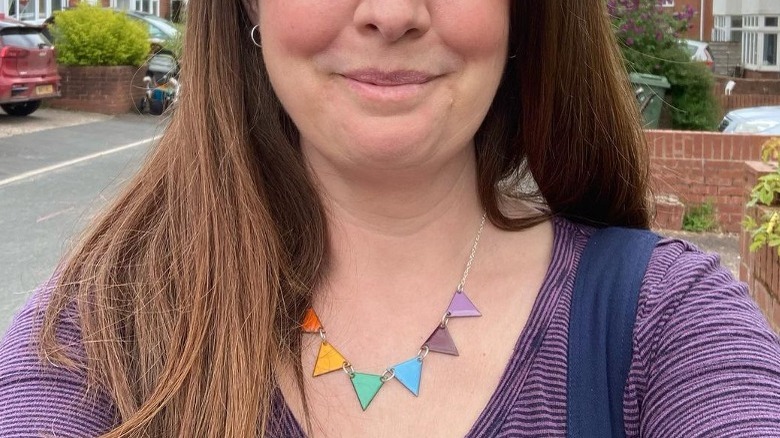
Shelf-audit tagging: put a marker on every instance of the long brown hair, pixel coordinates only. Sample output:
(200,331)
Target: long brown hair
(190,286)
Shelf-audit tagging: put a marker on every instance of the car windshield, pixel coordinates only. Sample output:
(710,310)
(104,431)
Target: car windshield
(23,37)
(691,49)
(162,25)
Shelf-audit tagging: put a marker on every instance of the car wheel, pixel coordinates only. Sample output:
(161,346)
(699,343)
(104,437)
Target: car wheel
(21,109)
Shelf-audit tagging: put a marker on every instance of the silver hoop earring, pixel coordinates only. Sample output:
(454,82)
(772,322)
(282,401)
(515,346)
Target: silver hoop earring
(252,31)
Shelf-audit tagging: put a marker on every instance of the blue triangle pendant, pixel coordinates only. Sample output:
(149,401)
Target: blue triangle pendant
(408,373)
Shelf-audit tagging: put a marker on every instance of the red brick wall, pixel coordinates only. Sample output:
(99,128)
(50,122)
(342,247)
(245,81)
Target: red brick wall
(748,86)
(107,90)
(709,19)
(760,269)
(752,74)
(704,166)
(728,103)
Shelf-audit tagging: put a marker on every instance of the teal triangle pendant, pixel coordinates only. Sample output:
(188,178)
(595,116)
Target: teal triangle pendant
(408,373)
(366,386)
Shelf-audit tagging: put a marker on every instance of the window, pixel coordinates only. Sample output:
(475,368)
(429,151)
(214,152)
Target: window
(667,3)
(727,28)
(24,37)
(770,21)
(770,49)
(148,6)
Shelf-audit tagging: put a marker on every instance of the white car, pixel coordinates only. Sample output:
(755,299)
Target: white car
(699,51)
(757,120)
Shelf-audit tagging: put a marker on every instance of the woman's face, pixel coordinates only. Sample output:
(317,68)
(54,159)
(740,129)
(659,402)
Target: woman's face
(385,84)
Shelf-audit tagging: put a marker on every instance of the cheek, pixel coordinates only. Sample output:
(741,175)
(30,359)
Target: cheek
(475,29)
(303,27)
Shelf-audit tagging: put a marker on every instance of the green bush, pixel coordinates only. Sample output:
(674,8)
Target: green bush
(91,35)
(700,218)
(691,101)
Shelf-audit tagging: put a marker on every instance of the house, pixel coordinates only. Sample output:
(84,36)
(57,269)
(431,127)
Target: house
(755,25)
(702,20)
(39,10)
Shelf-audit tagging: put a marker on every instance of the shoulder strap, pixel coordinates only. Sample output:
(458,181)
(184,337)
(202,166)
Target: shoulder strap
(601,322)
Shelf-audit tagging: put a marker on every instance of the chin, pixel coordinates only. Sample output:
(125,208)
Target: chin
(397,147)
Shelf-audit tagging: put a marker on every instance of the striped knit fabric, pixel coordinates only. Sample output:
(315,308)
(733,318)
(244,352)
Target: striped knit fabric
(705,363)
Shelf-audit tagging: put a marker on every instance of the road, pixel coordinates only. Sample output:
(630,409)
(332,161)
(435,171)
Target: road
(57,169)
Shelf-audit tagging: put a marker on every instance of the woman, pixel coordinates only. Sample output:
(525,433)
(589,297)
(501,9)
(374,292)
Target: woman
(331,164)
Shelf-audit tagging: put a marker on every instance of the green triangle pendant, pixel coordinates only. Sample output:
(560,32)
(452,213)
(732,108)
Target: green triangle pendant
(366,386)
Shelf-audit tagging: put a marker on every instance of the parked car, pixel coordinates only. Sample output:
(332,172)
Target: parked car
(757,120)
(28,68)
(160,29)
(699,51)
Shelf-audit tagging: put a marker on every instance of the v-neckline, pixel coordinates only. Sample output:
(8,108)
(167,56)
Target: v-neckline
(527,344)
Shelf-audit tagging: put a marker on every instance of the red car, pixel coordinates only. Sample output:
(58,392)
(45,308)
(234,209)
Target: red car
(28,68)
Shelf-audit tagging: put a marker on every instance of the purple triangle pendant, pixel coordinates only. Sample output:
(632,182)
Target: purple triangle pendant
(461,306)
(440,341)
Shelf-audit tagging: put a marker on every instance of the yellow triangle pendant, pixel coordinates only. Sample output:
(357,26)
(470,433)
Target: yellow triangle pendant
(328,359)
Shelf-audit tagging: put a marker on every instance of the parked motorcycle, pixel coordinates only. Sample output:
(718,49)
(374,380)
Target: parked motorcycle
(161,84)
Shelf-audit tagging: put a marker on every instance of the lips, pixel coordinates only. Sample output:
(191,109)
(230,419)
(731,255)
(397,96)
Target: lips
(397,87)
(389,78)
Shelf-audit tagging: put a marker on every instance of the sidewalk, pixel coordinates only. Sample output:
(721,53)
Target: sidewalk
(45,118)
(727,245)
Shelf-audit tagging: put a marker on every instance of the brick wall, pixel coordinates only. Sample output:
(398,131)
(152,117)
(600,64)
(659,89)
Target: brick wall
(107,90)
(696,167)
(753,74)
(747,93)
(748,85)
(709,20)
(728,103)
(760,269)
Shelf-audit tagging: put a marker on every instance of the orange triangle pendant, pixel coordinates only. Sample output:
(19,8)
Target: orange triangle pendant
(311,323)
(328,359)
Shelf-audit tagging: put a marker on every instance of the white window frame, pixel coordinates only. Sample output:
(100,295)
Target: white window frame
(753,36)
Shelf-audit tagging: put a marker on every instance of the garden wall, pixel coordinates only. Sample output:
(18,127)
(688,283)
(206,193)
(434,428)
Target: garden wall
(737,101)
(747,92)
(760,269)
(107,90)
(696,167)
(748,85)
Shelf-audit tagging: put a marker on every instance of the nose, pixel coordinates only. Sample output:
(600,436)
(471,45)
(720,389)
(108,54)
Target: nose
(393,19)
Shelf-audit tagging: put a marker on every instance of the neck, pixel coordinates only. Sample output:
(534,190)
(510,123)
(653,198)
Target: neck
(397,233)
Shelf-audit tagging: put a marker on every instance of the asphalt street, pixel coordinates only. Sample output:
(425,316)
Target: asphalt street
(57,169)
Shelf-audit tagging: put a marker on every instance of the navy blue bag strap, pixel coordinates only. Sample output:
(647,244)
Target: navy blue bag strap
(601,322)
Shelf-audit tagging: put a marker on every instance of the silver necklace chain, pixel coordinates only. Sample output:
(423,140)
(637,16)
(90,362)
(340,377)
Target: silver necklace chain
(462,283)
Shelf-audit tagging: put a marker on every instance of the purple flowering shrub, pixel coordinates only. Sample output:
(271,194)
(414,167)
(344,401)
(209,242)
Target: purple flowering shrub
(645,25)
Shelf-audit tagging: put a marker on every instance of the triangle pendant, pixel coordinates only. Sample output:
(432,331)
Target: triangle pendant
(366,386)
(461,305)
(409,373)
(328,359)
(311,323)
(440,341)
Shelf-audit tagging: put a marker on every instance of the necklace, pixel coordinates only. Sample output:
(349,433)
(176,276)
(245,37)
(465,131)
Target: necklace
(408,372)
